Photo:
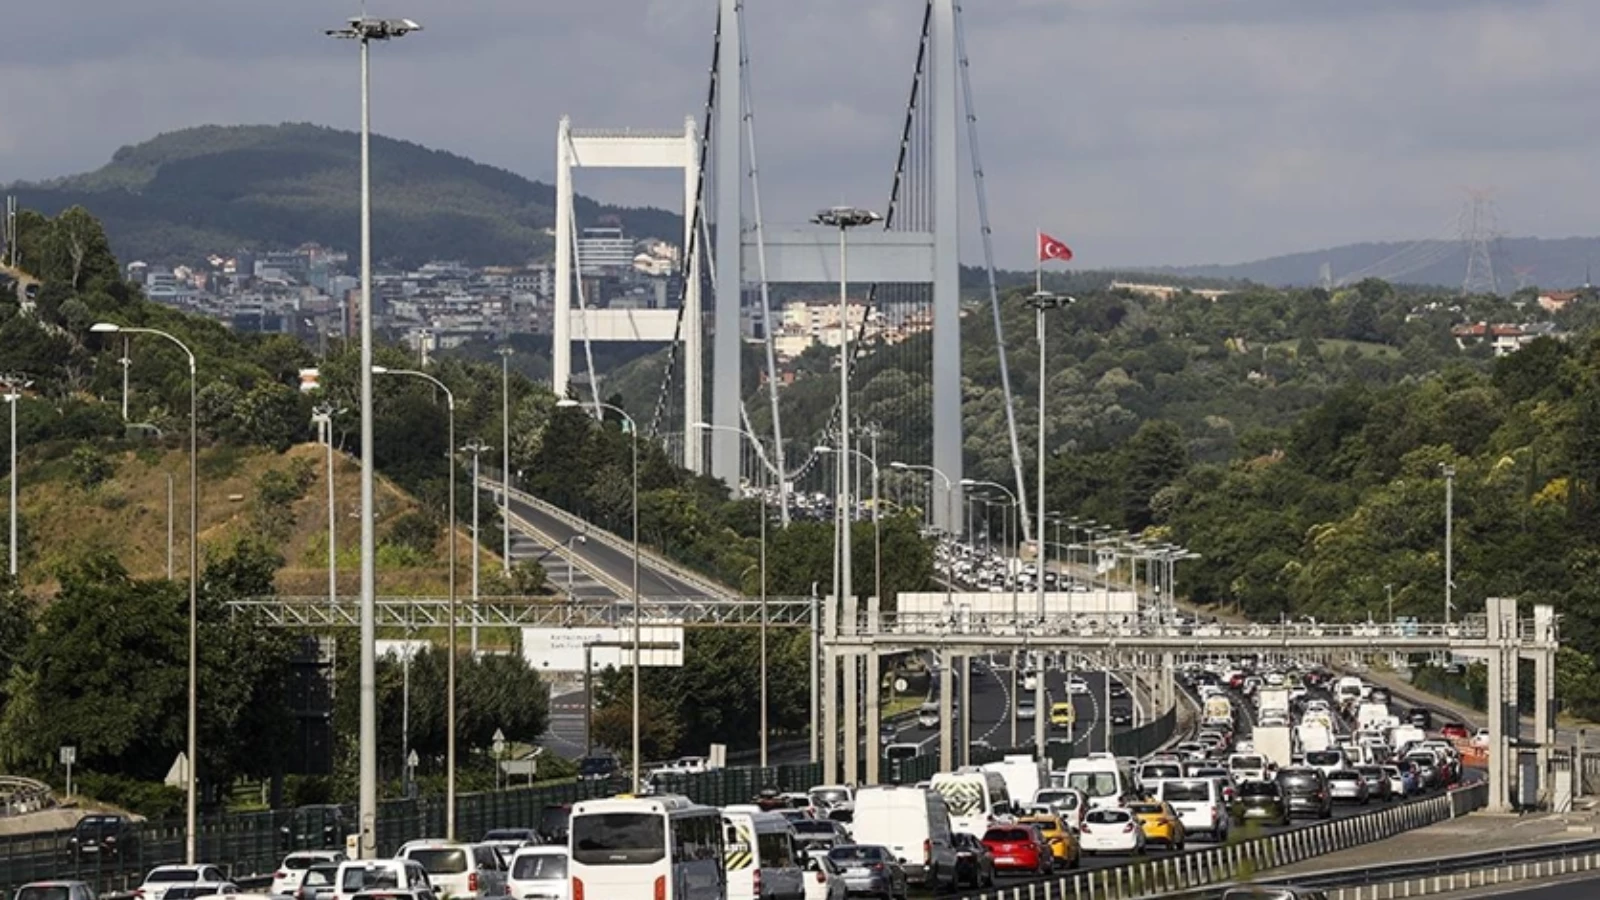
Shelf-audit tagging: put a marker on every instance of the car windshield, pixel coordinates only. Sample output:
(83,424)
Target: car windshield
(1299,782)
(596,765)
(506,834)
(1146,809)
(1248,762)
(815,828)
(319,875)
(831,795)
(1344,775)
(999,835)
(1161,771)
(540,867)
(160,876)
(1324,758)
(299,862)
(440,860)
(1094,784)
(608,839)
(1108,817)
(44,892)
(1258,789)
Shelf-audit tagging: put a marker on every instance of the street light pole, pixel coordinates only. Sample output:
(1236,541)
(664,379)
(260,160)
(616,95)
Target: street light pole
(1449,542)
(191,801)
(633,432)
(366,30)
(450,536)
(476,448)
(325,414)
(505,461)
(14,385)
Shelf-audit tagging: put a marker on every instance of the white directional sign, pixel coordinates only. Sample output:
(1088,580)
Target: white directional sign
(561,649)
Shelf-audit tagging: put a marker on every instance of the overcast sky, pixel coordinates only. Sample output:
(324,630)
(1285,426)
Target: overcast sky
(1138,131)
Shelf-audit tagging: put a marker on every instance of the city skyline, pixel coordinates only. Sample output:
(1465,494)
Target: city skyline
(1140,132)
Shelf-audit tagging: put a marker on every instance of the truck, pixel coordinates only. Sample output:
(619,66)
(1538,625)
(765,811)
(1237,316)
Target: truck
(1272,703)
(1313,736)
(1218,712)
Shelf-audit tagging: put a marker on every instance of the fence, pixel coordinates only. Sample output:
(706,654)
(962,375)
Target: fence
(1197,870)
(246,844)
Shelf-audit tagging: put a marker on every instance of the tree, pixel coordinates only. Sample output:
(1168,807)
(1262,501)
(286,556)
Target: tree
(1151,460)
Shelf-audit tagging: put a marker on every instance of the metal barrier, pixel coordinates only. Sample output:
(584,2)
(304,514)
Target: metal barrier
(247,844)
(1197,873)
(24,795)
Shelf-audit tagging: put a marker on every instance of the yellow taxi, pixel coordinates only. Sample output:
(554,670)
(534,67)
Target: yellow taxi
(1062,715)
(1063,846)
(1160,823)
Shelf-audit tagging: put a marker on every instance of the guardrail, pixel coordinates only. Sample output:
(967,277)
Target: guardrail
(1200,871)
(655,560)
(24,795)
(1432,876)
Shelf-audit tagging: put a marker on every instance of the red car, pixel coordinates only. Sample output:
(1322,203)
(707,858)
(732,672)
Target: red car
(1018,848)
(1455,731)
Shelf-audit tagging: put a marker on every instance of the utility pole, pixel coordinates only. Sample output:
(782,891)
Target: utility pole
(1449,528)
(125,362)
(505,461)
(323,414)
(476,448)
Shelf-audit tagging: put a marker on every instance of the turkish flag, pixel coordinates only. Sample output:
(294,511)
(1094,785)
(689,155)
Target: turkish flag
(1050,248)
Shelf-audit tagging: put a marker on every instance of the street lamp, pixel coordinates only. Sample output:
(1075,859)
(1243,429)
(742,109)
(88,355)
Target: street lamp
(505,461)
(575,539)
(14,385)
(366,29)
(191,806)
(450,533)
(633,431)
(324,414)
(1449,473)
(476,448)
(761,482)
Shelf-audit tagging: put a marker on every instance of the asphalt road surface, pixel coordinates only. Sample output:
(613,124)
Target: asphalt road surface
(615,563)
(1586,888)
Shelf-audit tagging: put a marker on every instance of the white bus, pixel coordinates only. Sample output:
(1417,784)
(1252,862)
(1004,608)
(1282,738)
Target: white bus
(974,797)
(646,848)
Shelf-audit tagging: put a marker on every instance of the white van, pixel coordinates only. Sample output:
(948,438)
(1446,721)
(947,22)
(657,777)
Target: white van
(915,825)
(1104,779)
(458,870)
(1022,774)
(760,856)
(355,876)
(974,798)
(1199,805)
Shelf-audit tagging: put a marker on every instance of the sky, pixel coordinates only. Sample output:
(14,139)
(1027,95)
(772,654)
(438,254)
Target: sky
(1137,131)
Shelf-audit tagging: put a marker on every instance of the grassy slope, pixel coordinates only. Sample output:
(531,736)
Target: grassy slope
(128,515)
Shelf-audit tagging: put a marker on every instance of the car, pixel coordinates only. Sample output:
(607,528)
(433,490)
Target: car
(103,837)
(209,890)
(1420,717)
(1272,892)
(1018,848)
(1305,790)
(318,882)
(1058,837)
(315,826)
(1062,714)
(974,861)
(287,878)
(457,869)
(1076,685)
(1161,825)
(823,880)
(1480,738)
(816,837)
(598,767)
(1121,715)
(1117,690)
(887,732)
(538,873)
(1402,781)
(869,869)
(392,894)
(1111,830)
(1346,785)
(1069,803)
(56,890)
(1200,804)
(162,879)
(1263,801)
(1026,710)
(359,875)
(1377,782)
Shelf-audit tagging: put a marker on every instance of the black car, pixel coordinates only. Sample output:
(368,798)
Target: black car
(1121,715)
(1305,791)
(1117,689)
(318,827)
(103,837)
(598,767)
(974,861)
(1422,718)
(1263,801)
(553,821)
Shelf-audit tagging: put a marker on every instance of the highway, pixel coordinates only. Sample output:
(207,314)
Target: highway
(1586,888)
(615,564)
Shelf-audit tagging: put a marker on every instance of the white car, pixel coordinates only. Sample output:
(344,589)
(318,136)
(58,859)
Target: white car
(163,878)
(1111,830)
(459,870)
(1076,685)
(1481,738)
(539,873)
(286,880)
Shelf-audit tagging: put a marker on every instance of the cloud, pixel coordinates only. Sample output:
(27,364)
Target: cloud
(1143,131)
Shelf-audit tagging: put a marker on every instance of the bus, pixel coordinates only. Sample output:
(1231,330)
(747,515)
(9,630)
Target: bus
(974,797)
(646,848)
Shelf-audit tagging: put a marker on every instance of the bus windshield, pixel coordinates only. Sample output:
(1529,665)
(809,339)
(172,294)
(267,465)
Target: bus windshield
(608,839)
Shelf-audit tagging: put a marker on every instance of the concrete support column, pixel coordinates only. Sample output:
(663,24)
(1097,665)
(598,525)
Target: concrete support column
(943,72)
(729,180)
(852,717)
(873,687)
(830,692)
(947,724)
(1499,770)
(1543,714)
(966,710)
(561,312)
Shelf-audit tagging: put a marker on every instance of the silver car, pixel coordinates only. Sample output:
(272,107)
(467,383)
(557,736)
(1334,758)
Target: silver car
(1347,785)
(869,869)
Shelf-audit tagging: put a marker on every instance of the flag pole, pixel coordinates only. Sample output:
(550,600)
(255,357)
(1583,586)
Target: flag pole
(1038,262)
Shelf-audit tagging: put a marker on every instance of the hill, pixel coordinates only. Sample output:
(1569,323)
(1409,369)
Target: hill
(244,492)
(213,189)
(1549,263)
